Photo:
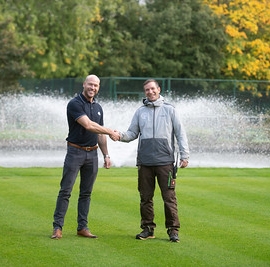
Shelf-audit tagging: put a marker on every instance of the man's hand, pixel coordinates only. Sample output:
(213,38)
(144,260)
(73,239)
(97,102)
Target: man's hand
(107,163)
(115,136)
(183,163)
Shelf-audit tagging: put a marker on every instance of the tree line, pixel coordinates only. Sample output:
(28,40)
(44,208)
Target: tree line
(213,39)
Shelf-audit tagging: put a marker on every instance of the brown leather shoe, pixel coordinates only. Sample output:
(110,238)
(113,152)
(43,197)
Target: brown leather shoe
(86,233)
(57,233)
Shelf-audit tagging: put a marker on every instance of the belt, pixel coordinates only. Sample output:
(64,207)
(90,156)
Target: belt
(85,148)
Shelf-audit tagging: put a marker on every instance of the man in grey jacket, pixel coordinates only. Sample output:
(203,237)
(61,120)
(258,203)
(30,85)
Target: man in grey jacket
(157,125)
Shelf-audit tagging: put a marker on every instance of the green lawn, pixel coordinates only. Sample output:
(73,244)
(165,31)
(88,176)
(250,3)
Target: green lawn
(225,220)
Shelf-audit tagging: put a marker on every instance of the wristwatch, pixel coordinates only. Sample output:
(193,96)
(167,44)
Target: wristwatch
(106,156)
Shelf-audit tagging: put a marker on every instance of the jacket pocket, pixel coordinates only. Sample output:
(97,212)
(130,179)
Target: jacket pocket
(154,152)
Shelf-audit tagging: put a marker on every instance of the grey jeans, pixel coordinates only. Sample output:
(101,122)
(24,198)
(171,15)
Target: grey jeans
(146,185)
(85,162)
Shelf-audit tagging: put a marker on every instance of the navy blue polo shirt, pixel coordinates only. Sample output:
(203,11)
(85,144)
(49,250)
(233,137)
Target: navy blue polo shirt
(77,107)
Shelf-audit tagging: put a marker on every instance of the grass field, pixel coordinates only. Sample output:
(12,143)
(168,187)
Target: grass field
(225,220)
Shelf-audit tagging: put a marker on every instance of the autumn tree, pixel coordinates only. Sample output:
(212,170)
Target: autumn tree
(247,24)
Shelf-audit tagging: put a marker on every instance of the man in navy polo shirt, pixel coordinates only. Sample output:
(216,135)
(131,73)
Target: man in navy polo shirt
(86,134)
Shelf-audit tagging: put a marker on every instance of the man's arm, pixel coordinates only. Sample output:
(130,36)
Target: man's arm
(96,128)
(102,142)
(182,140)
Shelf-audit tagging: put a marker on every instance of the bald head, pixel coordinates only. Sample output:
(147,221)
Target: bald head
(91,87)
(92,77)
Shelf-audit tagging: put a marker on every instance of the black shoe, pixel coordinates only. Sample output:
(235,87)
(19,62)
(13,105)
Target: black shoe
(173,235)
(147,232)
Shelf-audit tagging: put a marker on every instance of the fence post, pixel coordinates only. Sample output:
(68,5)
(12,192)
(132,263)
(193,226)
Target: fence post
(169,85)
(234,89)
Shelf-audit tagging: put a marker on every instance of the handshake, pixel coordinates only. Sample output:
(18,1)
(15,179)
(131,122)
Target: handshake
(115,135)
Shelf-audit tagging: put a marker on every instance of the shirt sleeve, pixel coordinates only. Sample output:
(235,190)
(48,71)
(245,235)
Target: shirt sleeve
(181,136)
(75,110)
(133,130)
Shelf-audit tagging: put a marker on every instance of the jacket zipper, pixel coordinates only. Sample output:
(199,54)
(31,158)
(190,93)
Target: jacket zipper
(154,115)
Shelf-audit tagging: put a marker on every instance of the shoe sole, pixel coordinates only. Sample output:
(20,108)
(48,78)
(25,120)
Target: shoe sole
(88,236)
(92,237)
(56,237)
(175,241)
(144,238)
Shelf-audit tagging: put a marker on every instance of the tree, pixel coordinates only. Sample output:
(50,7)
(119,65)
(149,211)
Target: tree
(119,50)
(60,33)
(184,39)
(247,24)
(13,56)
(161,38)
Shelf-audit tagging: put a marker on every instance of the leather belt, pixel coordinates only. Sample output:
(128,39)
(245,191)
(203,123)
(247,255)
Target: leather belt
(85,148)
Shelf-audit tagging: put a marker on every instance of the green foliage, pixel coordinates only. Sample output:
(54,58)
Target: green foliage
(161,39)
(13,55)
(61,34)
(117,38)
(185,40)
(157,38)
(224,220)
(120,52)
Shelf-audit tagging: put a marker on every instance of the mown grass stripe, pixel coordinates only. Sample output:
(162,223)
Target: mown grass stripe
(224,220)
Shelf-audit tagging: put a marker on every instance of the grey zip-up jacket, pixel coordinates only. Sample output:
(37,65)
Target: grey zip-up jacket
(157,125)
